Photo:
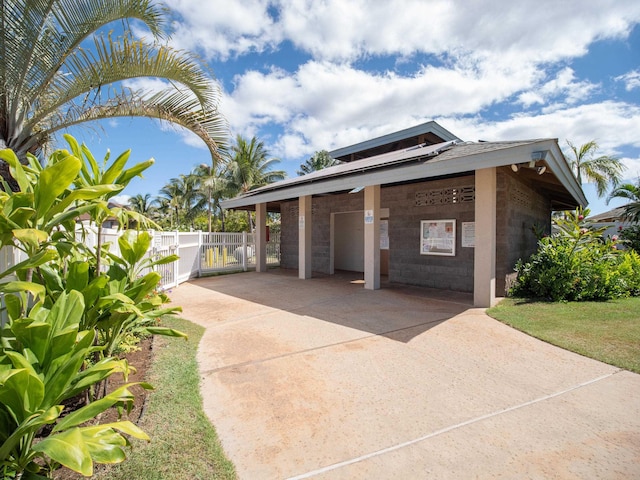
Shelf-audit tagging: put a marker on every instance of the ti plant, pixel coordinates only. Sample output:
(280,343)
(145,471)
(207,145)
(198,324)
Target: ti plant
(43,363)
(66,309)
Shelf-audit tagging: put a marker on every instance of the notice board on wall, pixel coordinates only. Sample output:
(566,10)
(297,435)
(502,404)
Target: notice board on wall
(438,237)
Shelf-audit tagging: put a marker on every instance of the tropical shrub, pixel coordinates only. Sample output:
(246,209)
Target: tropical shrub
(67,307)
(43,363)
(631,237)
(577,264)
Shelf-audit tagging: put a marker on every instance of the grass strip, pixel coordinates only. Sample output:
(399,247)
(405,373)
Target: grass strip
(605,331)
(184,444)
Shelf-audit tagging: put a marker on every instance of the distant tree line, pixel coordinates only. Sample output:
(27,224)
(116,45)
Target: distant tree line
(192,200)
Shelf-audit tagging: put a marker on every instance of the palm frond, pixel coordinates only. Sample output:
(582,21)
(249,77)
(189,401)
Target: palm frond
(50,79)
(180,108)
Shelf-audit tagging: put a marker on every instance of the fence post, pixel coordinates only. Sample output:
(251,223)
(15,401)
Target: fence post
(244,251)
(200,252)
(176,265)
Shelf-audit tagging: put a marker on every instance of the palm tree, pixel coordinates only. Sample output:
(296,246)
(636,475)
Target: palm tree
(632,193)
(249,167)
(182,194)
(143,204)
(603,170)
(318,161)
(58,69)
(212,186)
(163,212)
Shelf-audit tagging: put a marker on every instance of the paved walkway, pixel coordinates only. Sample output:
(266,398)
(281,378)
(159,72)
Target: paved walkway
(322,379)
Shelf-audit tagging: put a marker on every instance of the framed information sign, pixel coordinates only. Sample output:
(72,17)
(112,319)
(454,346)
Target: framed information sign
(438,237)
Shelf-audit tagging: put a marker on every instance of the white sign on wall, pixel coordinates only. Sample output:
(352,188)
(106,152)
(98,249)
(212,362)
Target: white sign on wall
(469,234)
(368,216)
(384,234)
(438,237)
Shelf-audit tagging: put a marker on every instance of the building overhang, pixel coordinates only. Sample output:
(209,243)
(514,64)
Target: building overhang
(428,162)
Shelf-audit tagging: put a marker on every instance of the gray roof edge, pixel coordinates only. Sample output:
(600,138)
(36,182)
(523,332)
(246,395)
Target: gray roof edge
(410,171)
(428,127)
(408,154)
(560,167)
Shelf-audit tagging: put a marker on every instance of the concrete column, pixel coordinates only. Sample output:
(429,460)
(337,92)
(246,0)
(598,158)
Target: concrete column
(372,237)
(261,237)
(304,237)
(484,259)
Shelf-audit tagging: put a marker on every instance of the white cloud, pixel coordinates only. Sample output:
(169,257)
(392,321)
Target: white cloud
(632,172)
(630,79)
(335,30)
(612,124)
(324,97)
(563,85)
(488,53)
(222,29)
(121,199)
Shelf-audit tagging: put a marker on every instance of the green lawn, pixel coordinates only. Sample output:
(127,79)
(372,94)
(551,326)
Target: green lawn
(606,331)
(184,445)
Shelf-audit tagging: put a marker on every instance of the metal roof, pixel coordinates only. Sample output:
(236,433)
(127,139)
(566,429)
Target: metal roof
(426,128)
(616,214)
(410,154)
(422,162)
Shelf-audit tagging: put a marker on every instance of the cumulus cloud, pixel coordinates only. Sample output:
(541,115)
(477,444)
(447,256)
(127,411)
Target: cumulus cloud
(465,59)
(121,199)
(221,29)
(334,30)
(325,97)
(564,85)
(611,124)
(631,80)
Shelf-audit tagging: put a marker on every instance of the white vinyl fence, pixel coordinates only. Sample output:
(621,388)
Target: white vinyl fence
(199,253)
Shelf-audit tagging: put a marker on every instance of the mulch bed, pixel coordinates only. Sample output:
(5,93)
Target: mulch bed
(140,359)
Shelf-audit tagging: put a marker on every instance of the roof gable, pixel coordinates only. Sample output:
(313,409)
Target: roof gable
(429,133)
(425,162)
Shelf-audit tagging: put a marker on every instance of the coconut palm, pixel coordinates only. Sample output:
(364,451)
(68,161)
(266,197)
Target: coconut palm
(181,193)
(249,167)
(632,193)
(58,68)
(603,170)
(318,161)
(143,204)
(212,186)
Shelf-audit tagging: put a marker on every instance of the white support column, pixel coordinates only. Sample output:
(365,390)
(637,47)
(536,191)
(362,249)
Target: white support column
(372,237)
(261,237)
(484,259)
(304,237)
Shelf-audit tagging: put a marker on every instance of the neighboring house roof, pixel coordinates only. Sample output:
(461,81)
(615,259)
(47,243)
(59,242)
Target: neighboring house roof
(111,204)
(429,161)
(614,215)
(428,133)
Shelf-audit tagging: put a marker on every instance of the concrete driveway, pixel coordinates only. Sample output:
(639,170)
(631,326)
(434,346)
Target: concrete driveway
(322,379)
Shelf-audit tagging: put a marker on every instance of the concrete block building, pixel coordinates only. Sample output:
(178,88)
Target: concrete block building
(419,207)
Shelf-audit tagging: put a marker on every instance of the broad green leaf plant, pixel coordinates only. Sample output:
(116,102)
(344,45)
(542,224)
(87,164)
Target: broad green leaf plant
(67,308)
(43,363)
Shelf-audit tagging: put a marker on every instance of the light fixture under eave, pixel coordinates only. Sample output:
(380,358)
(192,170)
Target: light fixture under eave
(357,189)
(515,167)
(541,169)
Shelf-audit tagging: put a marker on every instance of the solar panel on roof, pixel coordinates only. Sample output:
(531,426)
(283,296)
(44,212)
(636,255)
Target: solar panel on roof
(384,160)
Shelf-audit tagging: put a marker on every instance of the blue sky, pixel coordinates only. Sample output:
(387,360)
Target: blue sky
(305,76)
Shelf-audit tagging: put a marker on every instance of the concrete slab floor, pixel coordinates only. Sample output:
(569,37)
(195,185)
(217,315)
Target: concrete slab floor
(320,378)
